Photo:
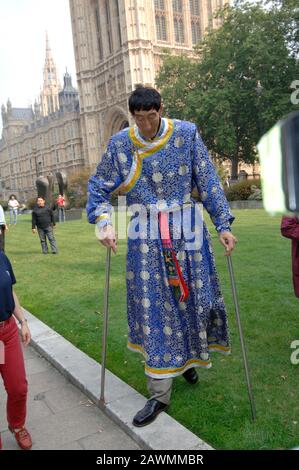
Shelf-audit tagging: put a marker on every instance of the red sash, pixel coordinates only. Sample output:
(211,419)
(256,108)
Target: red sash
(174,272)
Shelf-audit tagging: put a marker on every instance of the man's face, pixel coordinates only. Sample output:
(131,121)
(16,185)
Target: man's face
(40,202)
(148,122)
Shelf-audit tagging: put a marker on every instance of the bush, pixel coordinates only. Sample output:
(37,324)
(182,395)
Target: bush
(77,188)
(31,203)
(256,194)
(242,190)
(4,205)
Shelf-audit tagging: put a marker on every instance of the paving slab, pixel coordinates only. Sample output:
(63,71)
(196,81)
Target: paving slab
(66,410)
(59,415)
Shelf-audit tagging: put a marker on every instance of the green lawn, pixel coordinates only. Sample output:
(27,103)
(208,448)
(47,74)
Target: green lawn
(66,291)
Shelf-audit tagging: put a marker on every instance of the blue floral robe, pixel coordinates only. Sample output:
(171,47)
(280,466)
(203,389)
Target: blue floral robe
(172,335)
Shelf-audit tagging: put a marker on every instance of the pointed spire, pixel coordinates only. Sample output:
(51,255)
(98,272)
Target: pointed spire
(48,48)
(9,107)
(47,42)
(51,86)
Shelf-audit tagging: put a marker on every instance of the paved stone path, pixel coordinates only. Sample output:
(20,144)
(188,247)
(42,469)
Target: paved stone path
(60,416)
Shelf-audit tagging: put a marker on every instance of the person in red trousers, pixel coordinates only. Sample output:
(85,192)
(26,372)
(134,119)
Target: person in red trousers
(290,229)
(12,368)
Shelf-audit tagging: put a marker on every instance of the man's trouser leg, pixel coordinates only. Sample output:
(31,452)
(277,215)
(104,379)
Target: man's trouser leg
(50,235)
(42,237)
(160,389)
(61,214)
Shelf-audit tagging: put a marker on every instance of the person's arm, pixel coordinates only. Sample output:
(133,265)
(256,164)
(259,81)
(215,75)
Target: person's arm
(19,315)
(211,193)
(99,210)
(2,219)
(290,227)
(52,217)
(34,221)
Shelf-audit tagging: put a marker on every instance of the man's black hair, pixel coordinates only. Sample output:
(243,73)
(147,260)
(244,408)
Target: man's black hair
(144,99)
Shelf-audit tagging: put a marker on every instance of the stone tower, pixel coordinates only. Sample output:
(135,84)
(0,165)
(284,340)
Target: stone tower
(49,99)
(119,44)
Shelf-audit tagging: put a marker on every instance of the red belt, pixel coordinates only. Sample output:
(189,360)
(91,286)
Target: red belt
(175,275)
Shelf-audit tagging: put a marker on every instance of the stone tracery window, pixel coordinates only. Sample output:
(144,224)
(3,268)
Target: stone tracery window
(118,28)
(196,29)
(178,21)
(160,17)
(99,32)
(108,25)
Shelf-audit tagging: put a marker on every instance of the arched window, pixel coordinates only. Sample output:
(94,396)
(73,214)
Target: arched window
(160,17)
(178,21)
(108,25)
(210,13)
(99,32)
(196,28)
(117,24)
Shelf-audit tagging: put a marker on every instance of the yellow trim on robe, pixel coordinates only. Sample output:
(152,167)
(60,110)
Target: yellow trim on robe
(207,364)
(101,217)
(152,147)
(133,179)
(140,349)
(218,347)
(134,138)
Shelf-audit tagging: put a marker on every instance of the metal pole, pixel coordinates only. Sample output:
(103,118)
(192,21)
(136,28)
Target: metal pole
(245,360)
(105,325)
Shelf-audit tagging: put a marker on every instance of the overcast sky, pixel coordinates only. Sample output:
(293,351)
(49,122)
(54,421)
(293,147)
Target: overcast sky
(23,26)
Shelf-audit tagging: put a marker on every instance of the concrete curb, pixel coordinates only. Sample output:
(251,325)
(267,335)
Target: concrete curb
(122,401)
(249,204)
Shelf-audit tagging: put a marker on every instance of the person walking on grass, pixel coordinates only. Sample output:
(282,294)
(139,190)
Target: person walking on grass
(60,201)
(12,368)
(176,313)
(43,222)
(13,206)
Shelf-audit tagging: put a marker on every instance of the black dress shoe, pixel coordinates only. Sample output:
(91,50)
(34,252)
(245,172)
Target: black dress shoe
(149,413)
(191,376)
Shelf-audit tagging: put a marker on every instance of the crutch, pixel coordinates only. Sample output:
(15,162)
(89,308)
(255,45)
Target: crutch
(105,325)
(245,360)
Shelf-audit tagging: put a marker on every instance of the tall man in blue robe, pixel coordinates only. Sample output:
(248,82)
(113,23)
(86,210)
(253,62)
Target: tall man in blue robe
(176,313)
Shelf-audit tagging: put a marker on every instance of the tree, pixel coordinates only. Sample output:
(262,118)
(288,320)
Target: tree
(240,86)
(176,79)
(77,187)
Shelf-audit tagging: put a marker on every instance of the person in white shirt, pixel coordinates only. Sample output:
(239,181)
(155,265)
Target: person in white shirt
(3,228)
(13,209)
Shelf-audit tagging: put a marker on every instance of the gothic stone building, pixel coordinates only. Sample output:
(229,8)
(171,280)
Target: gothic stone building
(119,44)
(40,141)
